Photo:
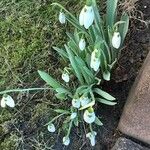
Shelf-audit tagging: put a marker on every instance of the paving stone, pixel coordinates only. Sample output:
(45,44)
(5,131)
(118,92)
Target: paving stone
(126,144)
(135,120)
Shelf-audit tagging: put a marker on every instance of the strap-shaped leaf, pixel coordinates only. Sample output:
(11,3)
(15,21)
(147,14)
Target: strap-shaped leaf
(98,122)
(74,65)
(88,105)
(111,12)
(104,101)
(61,52)
(49,80)
(123,28)
(104,94)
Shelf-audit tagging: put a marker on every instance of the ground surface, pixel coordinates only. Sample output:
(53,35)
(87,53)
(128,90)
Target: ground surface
(24,50)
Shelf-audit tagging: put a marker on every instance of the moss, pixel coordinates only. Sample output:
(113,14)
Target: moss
(9,143)
(5,116)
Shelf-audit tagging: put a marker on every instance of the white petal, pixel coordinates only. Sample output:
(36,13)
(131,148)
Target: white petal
(51,128)
(81,17)
(66,141)
(3,103)
(96,65)
(65,77)
(62,18)
(89,117)
(9,101)
(82,44)
(91,136)
(76,103)
(73,115)
(88,17)
(116,40)
(93,141)
(84,100)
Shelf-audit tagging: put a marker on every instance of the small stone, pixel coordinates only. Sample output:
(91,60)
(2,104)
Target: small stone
(135,120)
(126,144)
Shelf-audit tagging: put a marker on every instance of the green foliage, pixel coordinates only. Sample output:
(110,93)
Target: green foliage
(88,66)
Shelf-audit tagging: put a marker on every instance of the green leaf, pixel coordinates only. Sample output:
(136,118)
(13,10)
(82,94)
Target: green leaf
(62,111)
(98,122)
(88,105)
(61,52)
(49,80)
(123,28)
(104,94)
(61,96)
(106,102)
(74,64)
(111,12)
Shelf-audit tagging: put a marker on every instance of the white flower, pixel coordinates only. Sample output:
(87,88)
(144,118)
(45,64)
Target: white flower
(116,40)
(86,16)
(62,18)
(7,100)
(84,100)
(89,116)
(91,136)
(51,128)
(66,140)
(73,115)
(95,60)
(76,103)
(65,77)
(82,44)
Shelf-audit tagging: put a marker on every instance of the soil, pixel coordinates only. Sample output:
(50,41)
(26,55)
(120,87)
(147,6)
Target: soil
(132,57)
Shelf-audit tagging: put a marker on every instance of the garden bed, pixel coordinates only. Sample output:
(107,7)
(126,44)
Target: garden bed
(34,109)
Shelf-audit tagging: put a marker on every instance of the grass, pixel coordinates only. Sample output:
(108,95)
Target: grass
(29,29)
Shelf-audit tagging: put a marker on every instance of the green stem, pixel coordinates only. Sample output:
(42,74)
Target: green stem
(55,118)
(70,126)
(23,90)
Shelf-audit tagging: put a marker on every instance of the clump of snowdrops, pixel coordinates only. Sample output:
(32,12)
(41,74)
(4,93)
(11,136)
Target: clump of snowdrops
(90,54)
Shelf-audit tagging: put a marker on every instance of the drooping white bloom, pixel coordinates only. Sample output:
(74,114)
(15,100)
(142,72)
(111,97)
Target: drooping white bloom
(116,40)
(62,18)
(73,115)
(95,60)
(76,103)
(66,140)
(82,44)
(51,128)
(7,100)
(91,136)
(86,16)
(89,116)
(65,77)
(84,100)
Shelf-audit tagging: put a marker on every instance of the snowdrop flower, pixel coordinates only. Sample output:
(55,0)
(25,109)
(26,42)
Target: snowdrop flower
(91,136)
(62,18)
(82,44)
(66,140)
(76,103)
(65,77)
(51,128)
(73,115)
(7,100)
(84,100)
(116,40)
(95,60)
(86,16)
(89,116)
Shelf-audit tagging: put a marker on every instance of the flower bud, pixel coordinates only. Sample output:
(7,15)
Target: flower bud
(66,140)
(62,18)
(65,77)
(116,40)
(76,103)
(51,128)
(82,44)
